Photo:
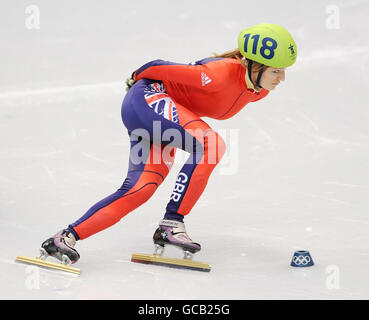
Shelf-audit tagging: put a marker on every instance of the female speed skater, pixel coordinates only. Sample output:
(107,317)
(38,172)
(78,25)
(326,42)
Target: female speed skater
(163,111)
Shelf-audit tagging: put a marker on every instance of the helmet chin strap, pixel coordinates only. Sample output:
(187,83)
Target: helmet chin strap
(249,67)
(259,78)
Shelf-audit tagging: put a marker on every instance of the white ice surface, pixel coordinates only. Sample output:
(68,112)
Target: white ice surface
(299,179)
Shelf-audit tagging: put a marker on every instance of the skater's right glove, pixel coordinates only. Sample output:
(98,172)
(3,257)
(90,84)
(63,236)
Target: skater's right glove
(130,82)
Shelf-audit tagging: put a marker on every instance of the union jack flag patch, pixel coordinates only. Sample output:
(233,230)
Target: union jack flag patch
(157,99)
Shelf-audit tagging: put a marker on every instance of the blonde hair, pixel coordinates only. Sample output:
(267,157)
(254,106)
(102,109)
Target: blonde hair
(236,54)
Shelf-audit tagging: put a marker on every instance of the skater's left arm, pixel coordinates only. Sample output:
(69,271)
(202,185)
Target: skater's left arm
(187,74)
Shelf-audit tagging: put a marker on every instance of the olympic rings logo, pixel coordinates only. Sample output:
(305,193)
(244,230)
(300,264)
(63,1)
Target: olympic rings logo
(301,260)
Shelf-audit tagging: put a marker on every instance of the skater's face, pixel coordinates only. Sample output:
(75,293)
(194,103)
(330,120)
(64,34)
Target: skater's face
(271,78)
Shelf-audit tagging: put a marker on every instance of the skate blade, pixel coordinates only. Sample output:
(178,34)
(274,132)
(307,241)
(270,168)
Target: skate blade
(170,262)
(48,264)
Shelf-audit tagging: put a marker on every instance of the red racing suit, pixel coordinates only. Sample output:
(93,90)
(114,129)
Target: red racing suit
(176,95)
(213,87)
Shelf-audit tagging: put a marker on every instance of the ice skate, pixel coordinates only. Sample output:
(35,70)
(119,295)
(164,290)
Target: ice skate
(173,232)
(61,247)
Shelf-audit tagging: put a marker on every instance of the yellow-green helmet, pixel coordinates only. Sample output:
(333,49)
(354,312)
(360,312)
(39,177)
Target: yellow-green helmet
(268,44)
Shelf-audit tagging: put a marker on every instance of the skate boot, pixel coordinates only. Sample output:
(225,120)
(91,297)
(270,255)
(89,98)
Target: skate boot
(61,247)
(174,233)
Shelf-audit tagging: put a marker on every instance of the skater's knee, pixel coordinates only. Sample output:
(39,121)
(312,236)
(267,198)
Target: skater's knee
(136,179)
(215,147)
(145,186)
(221,147)
(116,210)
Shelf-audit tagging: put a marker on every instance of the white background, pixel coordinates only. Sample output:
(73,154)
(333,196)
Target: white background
(298,177)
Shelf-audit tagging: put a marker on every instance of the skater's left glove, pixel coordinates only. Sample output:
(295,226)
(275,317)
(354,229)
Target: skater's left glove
(130,82)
